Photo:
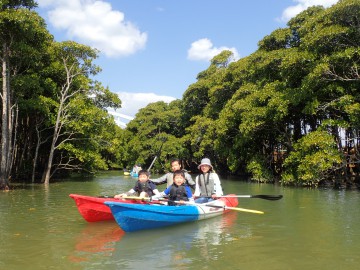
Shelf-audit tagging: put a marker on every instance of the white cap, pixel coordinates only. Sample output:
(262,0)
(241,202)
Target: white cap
(205,161)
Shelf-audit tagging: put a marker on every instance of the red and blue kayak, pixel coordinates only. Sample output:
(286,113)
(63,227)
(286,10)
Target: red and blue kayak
(93,209)
(135,217)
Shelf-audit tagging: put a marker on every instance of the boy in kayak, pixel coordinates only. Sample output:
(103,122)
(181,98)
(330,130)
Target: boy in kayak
(143,187)
(178,191)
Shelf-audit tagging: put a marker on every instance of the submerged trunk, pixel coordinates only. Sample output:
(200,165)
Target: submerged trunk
(5,121)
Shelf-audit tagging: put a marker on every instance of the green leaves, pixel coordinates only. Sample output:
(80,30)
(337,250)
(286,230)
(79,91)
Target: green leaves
(314,158)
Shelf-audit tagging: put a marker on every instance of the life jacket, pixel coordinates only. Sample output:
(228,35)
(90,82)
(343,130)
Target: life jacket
(177,193)
(144,186)
(206,184)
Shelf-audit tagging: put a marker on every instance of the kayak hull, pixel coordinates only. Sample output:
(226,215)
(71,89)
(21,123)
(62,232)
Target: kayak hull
(136,175)
(93,209)
(132,217)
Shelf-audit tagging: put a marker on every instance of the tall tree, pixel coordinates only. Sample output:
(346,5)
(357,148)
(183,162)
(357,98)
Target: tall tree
(21,31)
(74,63)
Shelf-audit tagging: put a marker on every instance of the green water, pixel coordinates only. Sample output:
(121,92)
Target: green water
(40,228)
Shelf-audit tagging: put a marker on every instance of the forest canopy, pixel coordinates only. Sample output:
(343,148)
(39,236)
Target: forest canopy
(287,113)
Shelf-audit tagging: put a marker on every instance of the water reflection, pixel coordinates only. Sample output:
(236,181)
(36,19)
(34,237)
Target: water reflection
(96,239)
(173,247)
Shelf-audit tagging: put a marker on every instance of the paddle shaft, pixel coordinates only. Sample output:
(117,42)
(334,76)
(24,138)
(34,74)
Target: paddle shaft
(236,209)
(222,206)
(264,197)
(152,163)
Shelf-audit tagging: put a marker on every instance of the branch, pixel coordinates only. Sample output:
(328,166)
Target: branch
(353,75)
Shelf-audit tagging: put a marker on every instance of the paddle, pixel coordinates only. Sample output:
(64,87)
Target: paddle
(218,206)
(128,197)
(152,163)
(234,208)
(264,197)
(144,199)
(136,198)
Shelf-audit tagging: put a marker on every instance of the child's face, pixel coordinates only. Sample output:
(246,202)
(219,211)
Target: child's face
(143,178)
(179,180)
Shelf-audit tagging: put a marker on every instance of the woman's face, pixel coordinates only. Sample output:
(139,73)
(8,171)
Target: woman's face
(205,168)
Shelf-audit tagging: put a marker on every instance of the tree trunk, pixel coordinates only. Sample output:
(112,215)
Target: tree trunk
(5,121)
(38,143)
(57,129)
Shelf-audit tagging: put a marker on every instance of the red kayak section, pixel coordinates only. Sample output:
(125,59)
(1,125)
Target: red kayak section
(93,209)
(229,201)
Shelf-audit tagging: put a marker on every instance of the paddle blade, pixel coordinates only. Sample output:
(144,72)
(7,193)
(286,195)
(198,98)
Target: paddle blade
(268,197)
(244,210)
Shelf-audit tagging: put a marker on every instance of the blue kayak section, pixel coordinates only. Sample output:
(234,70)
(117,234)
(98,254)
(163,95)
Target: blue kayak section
(134,217)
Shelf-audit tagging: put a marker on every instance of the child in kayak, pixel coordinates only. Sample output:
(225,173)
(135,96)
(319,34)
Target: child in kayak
(143,187)
(178,191)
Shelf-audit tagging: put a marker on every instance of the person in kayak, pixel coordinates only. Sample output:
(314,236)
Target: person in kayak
(207,183)
(178,192)
(143,187)
(168,178)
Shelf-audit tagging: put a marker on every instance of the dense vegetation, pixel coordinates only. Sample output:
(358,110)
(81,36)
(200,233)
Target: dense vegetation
(289,112)
(54,117)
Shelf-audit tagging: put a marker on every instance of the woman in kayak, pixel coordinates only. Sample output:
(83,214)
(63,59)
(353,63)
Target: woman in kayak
(178,192)
(207,183)
(143,187)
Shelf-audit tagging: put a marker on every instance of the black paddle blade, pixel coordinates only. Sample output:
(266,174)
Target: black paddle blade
(268,197)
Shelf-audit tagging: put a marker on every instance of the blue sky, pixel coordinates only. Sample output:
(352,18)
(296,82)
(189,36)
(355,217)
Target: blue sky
(152,50)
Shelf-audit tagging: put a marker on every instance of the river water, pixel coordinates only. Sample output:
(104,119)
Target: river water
(40,228)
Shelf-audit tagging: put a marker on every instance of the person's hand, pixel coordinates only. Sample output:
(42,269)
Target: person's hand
(213,196)
(143,195)
(119,196)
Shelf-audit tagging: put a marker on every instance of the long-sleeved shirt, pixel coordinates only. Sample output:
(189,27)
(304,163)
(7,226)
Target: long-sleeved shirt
(169,179)
(203,187)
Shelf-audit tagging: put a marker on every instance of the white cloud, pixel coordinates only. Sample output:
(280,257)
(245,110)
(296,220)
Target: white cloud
(95,23)
(204,50)
(133,102)
(292,11)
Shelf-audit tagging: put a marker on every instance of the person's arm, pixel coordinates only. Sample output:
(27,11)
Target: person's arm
(154,189)
(160,194)
(197,187)
(129,193)
(189,193)
(217,185)
(190,182)
(159,181)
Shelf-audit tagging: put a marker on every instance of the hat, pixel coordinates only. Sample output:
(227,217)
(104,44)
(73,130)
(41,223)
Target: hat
(205,161)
